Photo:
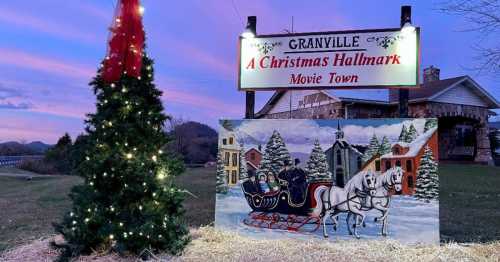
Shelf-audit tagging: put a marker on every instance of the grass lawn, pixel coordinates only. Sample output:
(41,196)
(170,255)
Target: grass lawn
(201,183)
(28,208)
(469,205)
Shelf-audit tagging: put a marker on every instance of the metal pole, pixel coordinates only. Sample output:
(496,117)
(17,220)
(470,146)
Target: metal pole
(404,94)
(250,95)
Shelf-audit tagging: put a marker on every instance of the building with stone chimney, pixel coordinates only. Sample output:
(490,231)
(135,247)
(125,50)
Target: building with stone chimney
(461,106)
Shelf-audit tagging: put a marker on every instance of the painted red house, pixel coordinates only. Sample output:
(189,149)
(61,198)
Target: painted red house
(408,155)
(253,157)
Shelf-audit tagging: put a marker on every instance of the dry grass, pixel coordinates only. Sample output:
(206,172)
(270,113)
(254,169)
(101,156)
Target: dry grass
(210,244)
(28,208)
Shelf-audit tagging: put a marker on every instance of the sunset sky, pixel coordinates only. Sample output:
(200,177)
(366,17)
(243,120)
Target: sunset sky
(51,49)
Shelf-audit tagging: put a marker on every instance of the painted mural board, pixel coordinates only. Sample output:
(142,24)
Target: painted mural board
(329,179)
(353,59)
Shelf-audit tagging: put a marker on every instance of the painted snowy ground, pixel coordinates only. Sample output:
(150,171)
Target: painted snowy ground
(410,221)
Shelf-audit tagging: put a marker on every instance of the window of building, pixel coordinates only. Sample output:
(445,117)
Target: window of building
(233,177)
(377,165)
(409,181)
(231,141)
(398,163)
(224,141)
(235,159)
(409,165)
(227,176)
(226,158)
(395,150)
(339,157)
(387,165)
(252,156)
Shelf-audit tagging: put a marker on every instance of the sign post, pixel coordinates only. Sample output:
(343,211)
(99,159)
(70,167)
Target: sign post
(404,93)
(250,94)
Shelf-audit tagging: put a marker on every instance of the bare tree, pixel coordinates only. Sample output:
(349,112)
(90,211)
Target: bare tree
(173,122)
(484,18)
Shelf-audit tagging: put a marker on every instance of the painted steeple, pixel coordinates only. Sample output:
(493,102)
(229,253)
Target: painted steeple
(339,134)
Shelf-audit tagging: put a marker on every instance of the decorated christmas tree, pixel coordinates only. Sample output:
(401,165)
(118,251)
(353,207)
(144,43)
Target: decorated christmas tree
(385,146)
(275,155)
(317,166)
(427,186)
(430,123)
(243,164)
(412,134)
(221,184)
(373,148)
(127,201)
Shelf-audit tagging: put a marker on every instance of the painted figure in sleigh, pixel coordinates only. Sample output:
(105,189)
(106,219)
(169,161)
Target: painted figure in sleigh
(284,193)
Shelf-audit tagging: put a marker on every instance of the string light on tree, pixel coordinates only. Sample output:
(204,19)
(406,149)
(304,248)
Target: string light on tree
(120,200)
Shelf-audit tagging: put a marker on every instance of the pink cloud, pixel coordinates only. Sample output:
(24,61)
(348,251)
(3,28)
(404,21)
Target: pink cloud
(60,103)
(25,60)
(197,57)
(55,29)
(20,127)
(70,110)
(172,93)
(96,11)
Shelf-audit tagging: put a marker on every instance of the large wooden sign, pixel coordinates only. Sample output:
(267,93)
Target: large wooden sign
(342,59)
(299,178)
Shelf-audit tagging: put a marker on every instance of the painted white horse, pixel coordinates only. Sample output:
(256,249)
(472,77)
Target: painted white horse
(385,184)
(330,201)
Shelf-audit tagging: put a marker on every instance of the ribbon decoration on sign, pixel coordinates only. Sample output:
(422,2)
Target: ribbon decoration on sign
(126,40)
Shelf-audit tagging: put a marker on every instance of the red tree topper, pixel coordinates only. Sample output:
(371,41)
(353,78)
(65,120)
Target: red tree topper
(126,41)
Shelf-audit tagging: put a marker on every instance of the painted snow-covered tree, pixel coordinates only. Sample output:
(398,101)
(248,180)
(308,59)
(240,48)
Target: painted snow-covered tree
(385,146)
(412,134)
(427,186)
(221,183)
(317,166)
(403,134)
(275,155)
(243,164)
(373,148)
(430,123)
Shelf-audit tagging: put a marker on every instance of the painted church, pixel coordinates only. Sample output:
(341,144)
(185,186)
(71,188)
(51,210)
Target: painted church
(344,159)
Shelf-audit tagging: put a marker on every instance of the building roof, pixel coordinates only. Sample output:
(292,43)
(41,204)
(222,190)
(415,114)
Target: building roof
(252,165)
(253,148)
(415,146)
(344,144)
(369,161)
(426,92)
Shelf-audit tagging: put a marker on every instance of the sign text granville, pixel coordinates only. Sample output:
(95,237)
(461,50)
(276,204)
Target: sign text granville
(347,59)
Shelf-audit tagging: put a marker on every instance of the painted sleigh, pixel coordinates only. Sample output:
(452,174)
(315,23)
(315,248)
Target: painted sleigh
(280,209)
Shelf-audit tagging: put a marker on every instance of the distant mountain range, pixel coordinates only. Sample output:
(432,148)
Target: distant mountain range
(13,148)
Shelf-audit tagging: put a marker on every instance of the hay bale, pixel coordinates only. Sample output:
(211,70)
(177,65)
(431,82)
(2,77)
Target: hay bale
(210,244)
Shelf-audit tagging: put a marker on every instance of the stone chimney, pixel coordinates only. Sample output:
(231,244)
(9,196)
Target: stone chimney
(431,74)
